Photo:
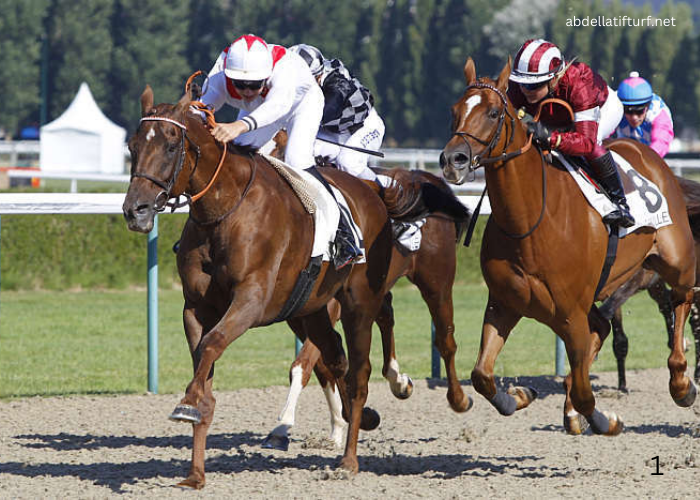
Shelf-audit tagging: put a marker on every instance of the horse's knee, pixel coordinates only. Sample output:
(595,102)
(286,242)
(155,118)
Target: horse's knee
(620,346)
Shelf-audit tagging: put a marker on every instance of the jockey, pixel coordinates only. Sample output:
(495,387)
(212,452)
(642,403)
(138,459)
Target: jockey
(273,89)
(540,71)
(647,118)
(349,116)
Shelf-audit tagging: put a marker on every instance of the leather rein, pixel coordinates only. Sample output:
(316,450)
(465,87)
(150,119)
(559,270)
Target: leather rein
(485,158)
(162,200)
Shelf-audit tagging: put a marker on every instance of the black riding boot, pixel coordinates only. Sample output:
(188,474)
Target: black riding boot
(345,249)
(606,171)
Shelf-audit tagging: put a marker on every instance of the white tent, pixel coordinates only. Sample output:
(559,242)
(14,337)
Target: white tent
(82,139)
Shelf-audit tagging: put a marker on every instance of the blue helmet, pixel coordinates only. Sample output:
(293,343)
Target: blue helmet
(634,91)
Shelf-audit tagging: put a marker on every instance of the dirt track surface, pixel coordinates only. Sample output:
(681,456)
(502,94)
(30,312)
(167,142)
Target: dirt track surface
(96,447)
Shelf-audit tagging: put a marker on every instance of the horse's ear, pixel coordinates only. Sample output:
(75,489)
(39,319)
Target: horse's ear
(146,100)
(470,71)
(184,103)
(502,83)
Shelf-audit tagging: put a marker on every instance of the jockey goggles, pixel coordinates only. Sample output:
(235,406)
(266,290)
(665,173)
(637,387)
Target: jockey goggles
(248,84)
(533,86)
(635,110)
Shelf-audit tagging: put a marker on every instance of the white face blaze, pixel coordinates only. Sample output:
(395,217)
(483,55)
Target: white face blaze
(471,103)
(151,134)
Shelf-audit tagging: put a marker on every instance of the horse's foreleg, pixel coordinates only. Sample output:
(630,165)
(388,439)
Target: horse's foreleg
(195,478)
(683,390)
(498,323)
(242,313)
(442,313)
(400,384)
(579,409)
(620,348)
(299,375)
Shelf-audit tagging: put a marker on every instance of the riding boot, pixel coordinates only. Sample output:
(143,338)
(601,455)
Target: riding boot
(606,170)
(346,251)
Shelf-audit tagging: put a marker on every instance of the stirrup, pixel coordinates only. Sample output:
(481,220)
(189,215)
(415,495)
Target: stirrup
(621,216)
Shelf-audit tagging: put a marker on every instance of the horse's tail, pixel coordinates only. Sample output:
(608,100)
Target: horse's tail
(691,195)
(416,194)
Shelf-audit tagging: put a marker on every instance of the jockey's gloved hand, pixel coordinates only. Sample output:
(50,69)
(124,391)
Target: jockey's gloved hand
(540,134)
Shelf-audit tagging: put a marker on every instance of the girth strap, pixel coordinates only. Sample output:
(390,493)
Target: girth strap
(613,239)
(302,289)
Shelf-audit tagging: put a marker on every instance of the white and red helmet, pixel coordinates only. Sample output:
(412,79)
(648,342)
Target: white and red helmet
(248,58)
(537,61)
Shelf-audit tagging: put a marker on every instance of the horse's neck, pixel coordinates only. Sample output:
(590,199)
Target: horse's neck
(230,181)
(516,192)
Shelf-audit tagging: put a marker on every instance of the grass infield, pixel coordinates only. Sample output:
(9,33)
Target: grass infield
(95,342)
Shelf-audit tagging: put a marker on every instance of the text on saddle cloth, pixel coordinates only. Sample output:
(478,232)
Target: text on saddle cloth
(647,204)
(325,210)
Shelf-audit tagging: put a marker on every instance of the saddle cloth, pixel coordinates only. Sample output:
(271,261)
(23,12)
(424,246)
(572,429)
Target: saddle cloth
(326,212)
(647,204)
(408,234)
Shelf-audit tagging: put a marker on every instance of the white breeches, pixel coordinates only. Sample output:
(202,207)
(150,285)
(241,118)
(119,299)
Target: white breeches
(369,136)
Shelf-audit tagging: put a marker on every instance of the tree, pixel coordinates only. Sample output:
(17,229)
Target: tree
(79,54)
(150,40)
(506,32)
(20,51)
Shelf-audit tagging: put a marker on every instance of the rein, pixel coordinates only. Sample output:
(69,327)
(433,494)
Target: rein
(481,161)
(162,200)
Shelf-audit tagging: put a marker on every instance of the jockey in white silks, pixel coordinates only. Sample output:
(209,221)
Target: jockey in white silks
(273,88)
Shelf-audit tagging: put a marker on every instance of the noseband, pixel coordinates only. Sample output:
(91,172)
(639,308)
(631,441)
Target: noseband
(163,198)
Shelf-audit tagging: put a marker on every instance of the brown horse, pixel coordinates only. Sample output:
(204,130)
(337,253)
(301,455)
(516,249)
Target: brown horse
(652,282)
(544,247)
(242,249)
(432,269)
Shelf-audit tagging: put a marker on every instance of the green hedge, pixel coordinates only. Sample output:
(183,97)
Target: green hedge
(60,252)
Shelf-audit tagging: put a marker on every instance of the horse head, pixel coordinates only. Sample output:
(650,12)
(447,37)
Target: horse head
(160,160)
(483,125)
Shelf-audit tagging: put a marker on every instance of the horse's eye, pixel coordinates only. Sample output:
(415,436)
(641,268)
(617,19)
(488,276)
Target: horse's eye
(172,148)
(493,114)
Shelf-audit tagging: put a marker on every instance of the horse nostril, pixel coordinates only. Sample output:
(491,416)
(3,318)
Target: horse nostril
(459,158)
(443,160)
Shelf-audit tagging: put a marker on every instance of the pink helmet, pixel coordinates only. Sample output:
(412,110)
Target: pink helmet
(248,58)
(537,61)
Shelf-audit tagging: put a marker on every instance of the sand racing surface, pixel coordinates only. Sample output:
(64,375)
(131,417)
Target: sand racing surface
(108,446)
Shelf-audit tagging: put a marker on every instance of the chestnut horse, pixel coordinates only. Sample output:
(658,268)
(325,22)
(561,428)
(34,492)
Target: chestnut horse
(544,247)
(242,249)
(652,282)
(432,269)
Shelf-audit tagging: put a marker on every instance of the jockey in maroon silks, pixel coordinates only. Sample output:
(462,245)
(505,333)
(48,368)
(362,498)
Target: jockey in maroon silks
(540,72)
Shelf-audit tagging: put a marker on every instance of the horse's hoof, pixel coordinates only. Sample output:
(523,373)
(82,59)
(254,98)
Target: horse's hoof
(575,424)
(349,465)
(191,482)
(370,419)
(187,414)
(689,397)
(616,424)
(464,405)
(407,391)
(523,396)
(276,442)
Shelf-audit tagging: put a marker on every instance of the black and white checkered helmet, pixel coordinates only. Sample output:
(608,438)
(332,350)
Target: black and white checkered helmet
(311,55)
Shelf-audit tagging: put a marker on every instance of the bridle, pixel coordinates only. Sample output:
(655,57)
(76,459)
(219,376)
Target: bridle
(484,158)
(162,200)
